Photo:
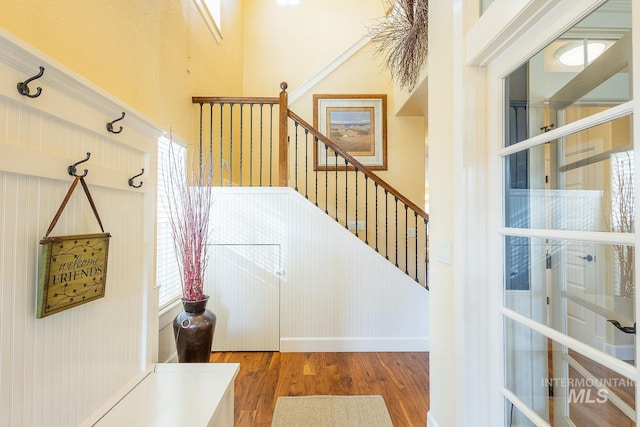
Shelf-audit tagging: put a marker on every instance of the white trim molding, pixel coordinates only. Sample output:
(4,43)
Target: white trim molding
(211,17)
(353,344)
(503,22)
(24,58)
(506,21)
(328,69)
(431,420)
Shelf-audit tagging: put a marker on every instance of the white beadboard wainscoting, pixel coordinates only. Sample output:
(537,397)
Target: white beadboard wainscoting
(166,340)
(67,368)
(335,293)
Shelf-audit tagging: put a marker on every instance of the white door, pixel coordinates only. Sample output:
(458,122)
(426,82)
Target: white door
(579,279)
(243,284)
(583,187)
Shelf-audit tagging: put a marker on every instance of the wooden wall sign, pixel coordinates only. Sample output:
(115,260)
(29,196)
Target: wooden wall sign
(72,269)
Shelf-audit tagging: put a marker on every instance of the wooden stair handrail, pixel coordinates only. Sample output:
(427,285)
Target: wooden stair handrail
(359,166)
(234,100)
(285,111)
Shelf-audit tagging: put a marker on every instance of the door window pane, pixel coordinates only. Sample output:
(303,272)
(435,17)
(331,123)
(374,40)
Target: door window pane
(527,369)
(560,384)
(514,417)
(580,182)
(588,66)
(582,289)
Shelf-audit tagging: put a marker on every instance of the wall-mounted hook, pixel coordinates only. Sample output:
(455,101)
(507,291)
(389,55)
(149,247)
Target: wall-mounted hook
(110,125)
(72,169)
(23,87)
(131,184)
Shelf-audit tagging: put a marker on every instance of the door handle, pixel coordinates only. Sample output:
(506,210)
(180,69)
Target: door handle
(588,257)
(625,329)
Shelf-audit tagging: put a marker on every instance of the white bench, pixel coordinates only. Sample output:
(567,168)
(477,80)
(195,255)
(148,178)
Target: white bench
(178,394)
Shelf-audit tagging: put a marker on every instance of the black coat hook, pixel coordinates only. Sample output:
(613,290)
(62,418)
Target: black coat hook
(131,184)
(110,125)
(72,169)
(23,87)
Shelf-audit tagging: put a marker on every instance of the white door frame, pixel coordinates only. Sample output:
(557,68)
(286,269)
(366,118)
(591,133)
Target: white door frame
(500,63)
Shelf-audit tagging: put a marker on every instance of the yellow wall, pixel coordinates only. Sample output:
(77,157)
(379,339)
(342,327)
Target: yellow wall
(405,135)
(153,55)
(292,43)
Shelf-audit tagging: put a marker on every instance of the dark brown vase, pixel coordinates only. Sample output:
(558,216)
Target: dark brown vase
(193,330)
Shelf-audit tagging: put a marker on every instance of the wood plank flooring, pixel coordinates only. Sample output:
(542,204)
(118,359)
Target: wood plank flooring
(592,411)
(596,412)
(402,379)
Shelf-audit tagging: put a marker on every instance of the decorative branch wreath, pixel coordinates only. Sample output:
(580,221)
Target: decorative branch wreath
(402,39)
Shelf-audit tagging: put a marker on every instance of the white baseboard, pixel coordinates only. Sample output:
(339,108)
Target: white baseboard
(362,344)
(431,420)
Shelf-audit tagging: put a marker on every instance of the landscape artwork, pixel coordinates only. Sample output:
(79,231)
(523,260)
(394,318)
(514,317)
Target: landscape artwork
(352,129)
(356,124)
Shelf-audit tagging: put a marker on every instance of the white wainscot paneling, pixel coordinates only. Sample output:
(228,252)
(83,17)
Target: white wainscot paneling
(61,369)
(166,340)
(56,370)
(336,293)
(244,293)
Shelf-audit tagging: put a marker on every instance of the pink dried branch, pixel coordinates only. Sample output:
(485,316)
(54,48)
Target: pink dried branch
(189,209)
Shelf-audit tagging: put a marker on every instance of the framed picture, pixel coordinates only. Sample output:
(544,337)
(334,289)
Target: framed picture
(357,124)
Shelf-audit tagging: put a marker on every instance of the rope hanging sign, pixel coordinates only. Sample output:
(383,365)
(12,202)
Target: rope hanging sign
(72,269)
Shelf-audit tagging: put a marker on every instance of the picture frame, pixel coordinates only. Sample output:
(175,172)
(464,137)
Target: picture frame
(356,123)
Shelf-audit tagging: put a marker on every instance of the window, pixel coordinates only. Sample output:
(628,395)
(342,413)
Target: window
(211,11)
(167,274)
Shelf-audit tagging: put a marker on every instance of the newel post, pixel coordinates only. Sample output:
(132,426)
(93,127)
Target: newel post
(283,137)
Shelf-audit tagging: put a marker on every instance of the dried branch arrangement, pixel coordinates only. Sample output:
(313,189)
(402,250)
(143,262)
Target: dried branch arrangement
(622,219)
(402,40)
(189,206)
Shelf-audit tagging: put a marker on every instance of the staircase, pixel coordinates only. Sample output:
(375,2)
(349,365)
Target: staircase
(259,141)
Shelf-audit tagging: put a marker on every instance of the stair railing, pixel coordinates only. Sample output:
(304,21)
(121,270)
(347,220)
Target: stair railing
(254,140)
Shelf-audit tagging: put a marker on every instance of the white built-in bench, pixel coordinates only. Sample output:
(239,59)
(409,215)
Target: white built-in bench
(178,394)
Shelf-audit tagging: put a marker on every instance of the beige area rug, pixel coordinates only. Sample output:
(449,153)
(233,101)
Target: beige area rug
(331,411)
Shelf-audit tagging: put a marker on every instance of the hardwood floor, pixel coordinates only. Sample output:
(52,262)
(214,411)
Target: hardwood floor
(595,411)
(587,408)
(402,379)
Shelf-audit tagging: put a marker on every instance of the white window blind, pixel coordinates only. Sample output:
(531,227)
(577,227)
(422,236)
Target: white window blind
(167,274)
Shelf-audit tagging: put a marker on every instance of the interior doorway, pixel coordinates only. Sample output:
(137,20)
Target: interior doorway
(243,284)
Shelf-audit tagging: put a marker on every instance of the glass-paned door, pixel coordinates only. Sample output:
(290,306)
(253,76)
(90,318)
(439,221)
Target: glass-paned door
(569,228)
